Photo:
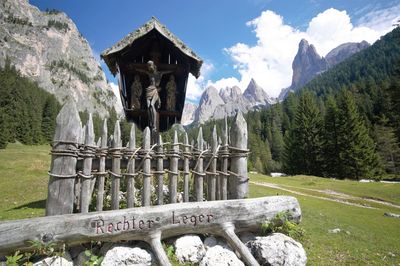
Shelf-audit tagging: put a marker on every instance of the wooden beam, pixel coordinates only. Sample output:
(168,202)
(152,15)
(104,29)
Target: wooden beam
(213,217)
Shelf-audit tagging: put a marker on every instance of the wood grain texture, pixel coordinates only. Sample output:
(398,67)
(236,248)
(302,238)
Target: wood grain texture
(139,223)
(60,196)
(239,185)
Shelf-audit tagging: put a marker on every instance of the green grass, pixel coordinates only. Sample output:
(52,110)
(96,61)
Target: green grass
(23,181)
(371,237)
(383,191)
(371,240)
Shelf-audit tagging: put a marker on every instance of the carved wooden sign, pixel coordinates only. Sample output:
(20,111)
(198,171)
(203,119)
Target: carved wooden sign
(151,224)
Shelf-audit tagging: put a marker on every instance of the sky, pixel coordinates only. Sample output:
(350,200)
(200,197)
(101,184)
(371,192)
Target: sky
(237,39)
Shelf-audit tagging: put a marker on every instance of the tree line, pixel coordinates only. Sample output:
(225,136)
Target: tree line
(27,112)
(345,123)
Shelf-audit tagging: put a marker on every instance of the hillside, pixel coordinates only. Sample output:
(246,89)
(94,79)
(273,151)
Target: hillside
(47,47)
(348,116)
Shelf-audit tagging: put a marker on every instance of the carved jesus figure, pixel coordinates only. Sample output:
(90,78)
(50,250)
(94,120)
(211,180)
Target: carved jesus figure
(152,98)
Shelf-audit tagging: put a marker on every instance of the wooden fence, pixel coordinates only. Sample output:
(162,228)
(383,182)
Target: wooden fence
(81,168)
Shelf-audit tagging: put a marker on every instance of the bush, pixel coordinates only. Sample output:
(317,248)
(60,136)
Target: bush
(281,224)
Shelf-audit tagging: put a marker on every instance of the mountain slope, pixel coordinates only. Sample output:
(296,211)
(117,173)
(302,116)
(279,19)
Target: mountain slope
(307,63)
(48,48)
(228,101)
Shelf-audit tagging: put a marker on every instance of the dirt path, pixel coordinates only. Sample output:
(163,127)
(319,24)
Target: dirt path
(340,200)
(346,196)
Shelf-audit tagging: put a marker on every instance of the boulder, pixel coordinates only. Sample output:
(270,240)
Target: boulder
(125,255)
(189,249)
(212,241)
(220,256)
(56,261)
(277,249)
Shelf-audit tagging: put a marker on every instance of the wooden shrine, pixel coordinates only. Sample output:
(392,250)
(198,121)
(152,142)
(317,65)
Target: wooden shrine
(152,66)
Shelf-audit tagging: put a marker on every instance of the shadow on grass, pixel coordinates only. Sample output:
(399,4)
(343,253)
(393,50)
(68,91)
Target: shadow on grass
(39,204)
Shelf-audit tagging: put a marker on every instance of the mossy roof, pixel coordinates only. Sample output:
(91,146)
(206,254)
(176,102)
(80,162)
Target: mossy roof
(109,55)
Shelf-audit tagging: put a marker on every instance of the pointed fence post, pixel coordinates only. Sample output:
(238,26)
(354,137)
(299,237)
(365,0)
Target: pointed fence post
(78,180)
(213,166)
(116,166)
(102,167)
(225,157)
(187,155)
(160,172)
(199,174)
(173,169)
(86,177)
(146,194)
(60,195)
(239,181)
(131,174)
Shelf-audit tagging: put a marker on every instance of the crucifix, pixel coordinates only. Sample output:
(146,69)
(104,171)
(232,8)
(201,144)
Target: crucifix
(153,101)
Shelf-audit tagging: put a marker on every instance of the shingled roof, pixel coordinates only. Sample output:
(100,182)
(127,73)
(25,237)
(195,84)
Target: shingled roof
(110,55)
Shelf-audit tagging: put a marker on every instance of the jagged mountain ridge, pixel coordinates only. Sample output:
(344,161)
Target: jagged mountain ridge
(226,102)
(48,48)
(307,63)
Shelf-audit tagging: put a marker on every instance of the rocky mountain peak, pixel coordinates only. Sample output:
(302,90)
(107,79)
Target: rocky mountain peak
(188,113)
(230,94)
(210,96)
(306,64)
(209,101)
(255,94)
(344,51)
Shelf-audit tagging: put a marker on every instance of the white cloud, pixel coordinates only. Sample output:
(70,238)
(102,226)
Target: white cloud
(381,19)
(115,90)
(269,62)
(333,27)
(224,82)
(195,86)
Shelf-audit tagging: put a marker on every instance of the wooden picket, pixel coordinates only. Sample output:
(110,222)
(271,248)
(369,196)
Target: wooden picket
(81,167)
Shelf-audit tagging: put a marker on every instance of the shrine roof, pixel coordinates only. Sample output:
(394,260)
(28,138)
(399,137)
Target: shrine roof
(109,55)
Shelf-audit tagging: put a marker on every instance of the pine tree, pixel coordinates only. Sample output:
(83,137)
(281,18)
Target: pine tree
(330,139)
(277,144)
(3,130)
(358,158)
(387,147)
(303,149)
(49,114)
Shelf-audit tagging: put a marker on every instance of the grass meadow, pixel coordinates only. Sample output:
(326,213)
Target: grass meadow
(366,236)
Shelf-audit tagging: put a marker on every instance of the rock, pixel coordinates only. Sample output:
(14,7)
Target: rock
(188,113)
(232,94)
(256,95)
(343,51)
(228,101)
(209,100)
(247,236)
(277,249)
(212,241)
(75,251)
(334,231)
(47,47)
(81,259)
(220,256)
(55,261)
(307,63)
(124,255)
(389,214)
(189,249)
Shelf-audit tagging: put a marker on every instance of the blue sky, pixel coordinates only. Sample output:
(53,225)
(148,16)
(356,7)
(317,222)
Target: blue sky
(237,39)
